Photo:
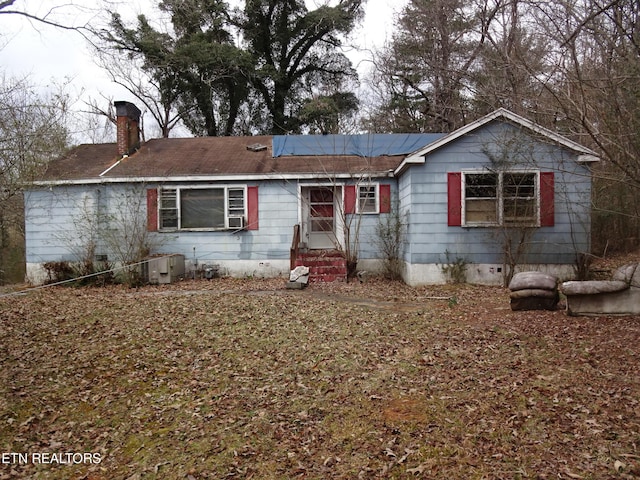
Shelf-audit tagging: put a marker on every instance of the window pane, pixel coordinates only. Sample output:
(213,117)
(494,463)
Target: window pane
(168,208)
(519,210)
(519,185)
(321,195)
(236,201)
(481,211)
(481,198)
(322,225)
(322,211)
(168,198)
(519,202)
(367,199)
(481,185)
(169,218)
(202,208)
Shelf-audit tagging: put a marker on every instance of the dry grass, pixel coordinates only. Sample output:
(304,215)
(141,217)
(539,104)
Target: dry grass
(244,379)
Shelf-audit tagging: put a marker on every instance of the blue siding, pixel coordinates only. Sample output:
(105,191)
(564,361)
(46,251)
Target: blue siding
(278,212)
(424,188)
(57,222)
(367,225)
(60,221)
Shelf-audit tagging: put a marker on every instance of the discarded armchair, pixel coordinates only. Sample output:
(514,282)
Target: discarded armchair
(618,296)
(533,291)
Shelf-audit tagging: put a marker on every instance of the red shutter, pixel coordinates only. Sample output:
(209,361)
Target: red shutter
(350,199)
(385,198)
(152,209)
(547,207)
(252,208)
(454,199)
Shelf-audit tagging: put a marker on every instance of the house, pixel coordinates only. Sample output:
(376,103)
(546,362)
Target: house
(500,193)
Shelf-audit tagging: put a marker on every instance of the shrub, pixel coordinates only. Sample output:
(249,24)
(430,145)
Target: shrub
(454,270)
(390,233)
(59,271)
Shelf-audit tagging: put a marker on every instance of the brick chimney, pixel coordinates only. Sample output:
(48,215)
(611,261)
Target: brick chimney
(127,127)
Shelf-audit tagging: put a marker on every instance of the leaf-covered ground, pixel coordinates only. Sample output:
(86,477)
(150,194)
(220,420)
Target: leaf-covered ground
(245,379)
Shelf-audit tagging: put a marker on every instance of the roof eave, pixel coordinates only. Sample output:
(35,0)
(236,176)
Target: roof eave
(587,159)
(213,178)
(412,159)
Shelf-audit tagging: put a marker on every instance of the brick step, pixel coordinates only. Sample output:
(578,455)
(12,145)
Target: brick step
(327,278)
(324,262)
(324,266)
(329,274)
(327,268)
(334,272)
(320,258)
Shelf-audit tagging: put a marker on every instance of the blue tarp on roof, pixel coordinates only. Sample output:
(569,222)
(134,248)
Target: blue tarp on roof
(363,145)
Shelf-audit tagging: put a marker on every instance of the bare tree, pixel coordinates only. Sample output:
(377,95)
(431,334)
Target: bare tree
(510,61)
(594,85)
(54,16)
(32,132)
(161,104)
(572,66)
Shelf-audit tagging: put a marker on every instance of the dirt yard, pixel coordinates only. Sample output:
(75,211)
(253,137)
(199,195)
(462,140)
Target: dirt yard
(245,379)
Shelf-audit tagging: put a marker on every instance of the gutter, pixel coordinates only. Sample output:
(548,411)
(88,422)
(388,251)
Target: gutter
(587,159)
(207,178)
(408,161)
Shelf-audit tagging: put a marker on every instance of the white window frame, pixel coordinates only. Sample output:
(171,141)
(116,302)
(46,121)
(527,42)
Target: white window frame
(229,211)
(376,187)
(500,220)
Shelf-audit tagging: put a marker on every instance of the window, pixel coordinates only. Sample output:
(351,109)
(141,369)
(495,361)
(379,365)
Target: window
(367,199)
(236,201)
(169,208)
(206,208)
(501,198)
(481,198)
(519,199)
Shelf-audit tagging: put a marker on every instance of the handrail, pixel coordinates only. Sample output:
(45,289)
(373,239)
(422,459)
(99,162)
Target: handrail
(295,247)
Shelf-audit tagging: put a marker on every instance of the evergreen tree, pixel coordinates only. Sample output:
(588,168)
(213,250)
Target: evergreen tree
(292,46)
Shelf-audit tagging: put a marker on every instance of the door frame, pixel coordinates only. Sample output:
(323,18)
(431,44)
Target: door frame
(338,209)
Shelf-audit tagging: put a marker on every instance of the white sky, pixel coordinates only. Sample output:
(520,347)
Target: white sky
(49,55)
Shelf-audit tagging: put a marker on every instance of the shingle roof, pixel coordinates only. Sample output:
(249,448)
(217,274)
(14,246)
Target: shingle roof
(210,157)
(204,157)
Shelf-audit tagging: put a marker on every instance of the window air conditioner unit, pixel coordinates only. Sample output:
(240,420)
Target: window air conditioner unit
(236,222)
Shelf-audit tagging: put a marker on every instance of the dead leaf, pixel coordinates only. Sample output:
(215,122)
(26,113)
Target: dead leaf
(245,379)
(419,469)
(572,475)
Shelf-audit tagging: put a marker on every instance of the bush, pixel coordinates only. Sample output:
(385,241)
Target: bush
(454,270)
(84,273)
(390,233)
(59,271)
